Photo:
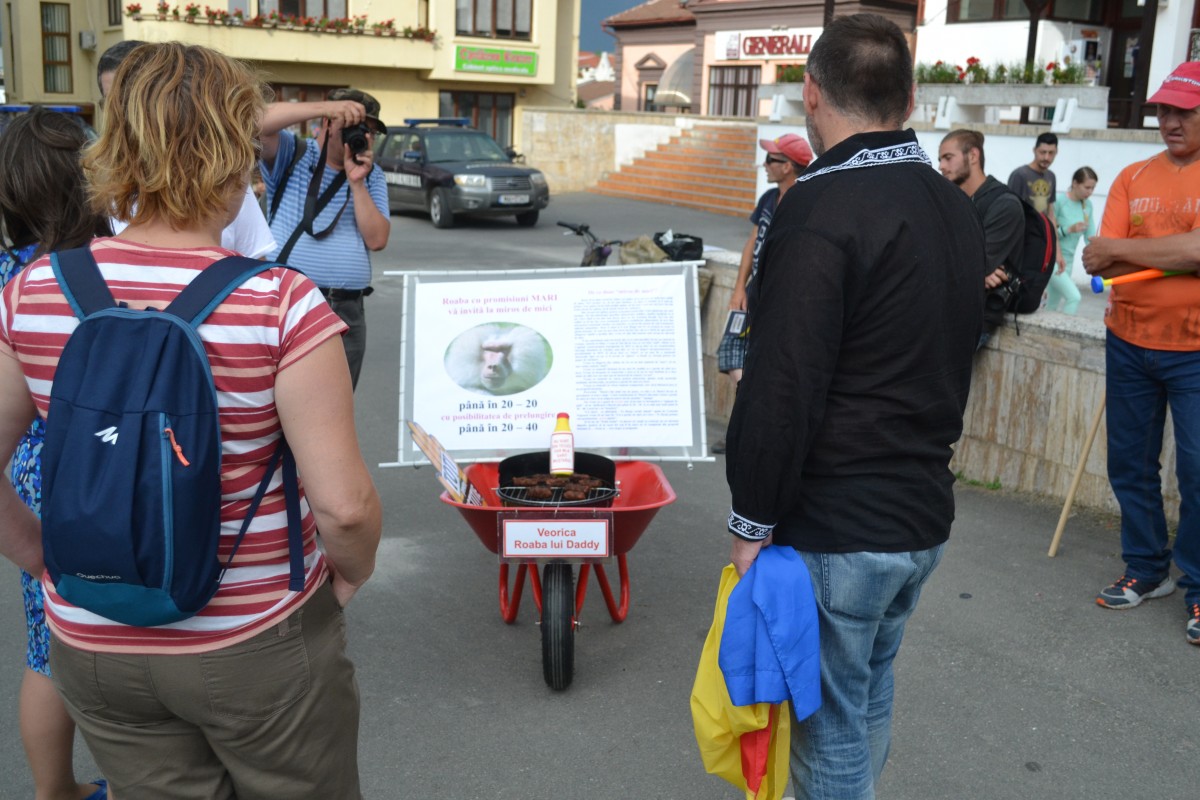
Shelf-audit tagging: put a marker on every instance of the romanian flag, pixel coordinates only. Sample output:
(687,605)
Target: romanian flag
(745,745)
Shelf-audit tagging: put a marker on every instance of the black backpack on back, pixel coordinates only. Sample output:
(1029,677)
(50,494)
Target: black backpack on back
(1036,259)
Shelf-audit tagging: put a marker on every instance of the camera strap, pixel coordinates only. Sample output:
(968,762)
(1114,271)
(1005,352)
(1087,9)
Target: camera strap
(314,204)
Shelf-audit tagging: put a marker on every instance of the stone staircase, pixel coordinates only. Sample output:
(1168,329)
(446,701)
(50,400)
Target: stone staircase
(706,167)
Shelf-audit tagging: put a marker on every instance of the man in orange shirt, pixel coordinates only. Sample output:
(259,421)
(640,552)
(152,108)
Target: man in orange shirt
(1153,351)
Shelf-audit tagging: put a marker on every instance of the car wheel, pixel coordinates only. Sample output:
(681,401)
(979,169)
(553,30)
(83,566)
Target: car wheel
(528,219)
(439,209)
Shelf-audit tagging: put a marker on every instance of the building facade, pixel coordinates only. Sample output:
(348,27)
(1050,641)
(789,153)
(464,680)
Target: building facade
(714,56)
(1104,36)
(482,59)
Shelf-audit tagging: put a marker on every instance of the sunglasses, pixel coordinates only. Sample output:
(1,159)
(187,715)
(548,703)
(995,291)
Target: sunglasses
(772,160)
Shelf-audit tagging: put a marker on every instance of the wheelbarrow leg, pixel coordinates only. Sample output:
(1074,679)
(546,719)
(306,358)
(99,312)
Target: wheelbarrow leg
(617,612)
(510,605)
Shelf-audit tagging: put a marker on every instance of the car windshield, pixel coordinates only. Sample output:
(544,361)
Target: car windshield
(463,146)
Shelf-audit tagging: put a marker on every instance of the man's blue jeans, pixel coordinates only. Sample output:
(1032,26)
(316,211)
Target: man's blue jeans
(863,602)
(1140,384)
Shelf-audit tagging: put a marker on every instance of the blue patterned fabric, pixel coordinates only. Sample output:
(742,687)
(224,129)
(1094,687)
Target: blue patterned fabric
(27,479)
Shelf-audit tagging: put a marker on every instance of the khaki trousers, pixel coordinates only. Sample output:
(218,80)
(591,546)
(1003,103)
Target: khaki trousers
(274,717)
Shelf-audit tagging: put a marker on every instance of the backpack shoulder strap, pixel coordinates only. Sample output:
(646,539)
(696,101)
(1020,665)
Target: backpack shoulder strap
(214,283)
(291,495)
(79,278)
(988,193)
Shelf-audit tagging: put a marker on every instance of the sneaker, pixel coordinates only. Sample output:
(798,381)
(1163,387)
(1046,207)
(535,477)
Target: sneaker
(1193,626)
(718,447)
(1130,592)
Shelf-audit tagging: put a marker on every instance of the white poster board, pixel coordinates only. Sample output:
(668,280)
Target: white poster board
(489,359)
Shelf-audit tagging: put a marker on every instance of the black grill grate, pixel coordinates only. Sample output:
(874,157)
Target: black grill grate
(518,496)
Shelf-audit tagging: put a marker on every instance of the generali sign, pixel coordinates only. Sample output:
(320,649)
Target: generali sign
(766,43)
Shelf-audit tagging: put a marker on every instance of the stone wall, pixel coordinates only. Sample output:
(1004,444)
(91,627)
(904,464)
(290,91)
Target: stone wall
(1033,397)
(575,147)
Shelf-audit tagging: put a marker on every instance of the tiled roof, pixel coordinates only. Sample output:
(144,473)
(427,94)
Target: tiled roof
(652,12)
(592,90)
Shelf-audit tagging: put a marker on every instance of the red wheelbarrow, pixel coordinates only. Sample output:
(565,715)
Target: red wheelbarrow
(641,490)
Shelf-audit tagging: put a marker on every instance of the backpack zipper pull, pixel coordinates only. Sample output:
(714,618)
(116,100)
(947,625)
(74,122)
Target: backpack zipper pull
(175,446)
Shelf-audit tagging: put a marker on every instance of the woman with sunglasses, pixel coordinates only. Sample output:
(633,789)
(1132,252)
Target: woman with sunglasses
(786,158)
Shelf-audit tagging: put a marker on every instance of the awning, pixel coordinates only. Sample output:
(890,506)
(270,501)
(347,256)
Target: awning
(675,86)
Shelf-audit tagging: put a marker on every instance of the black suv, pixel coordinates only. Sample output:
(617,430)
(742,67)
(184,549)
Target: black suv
(447,168)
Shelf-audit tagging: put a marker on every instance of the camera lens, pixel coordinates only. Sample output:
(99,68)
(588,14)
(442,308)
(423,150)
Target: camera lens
(356,138)
(996,300)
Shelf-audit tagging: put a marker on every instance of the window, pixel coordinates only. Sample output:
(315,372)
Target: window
(56,48)
(733,91)
(300,93)
(1082,10)
(995,10)
(305,8)
(648,92)
(489,112)
(498,19)
(114,12)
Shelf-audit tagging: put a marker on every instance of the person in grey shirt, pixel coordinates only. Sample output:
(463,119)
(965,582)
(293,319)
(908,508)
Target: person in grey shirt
(1035,182)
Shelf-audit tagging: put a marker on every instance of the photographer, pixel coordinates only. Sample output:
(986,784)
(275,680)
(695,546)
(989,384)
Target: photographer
(327,220)
(960,159)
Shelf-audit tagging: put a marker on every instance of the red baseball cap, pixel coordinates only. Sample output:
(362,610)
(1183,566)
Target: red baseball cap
(794,148)
(1181,88)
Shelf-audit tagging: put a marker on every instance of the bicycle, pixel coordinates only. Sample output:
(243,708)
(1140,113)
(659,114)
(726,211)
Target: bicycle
(595,251)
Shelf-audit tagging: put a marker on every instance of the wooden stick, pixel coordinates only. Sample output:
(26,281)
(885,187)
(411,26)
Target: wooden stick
(1087,449)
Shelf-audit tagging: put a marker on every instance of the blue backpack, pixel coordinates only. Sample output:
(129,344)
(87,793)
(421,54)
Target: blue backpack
(131,466)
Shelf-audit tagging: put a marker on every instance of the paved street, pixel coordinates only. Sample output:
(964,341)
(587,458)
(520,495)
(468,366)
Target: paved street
(1011,684)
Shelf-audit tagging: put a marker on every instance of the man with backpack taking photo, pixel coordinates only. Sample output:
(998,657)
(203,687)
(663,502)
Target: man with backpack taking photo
(1020,243)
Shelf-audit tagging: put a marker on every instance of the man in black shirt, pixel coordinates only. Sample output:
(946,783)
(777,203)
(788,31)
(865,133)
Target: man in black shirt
(867,310)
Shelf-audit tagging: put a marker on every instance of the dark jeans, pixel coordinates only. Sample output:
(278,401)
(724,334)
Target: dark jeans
(1140,385)
(355,340)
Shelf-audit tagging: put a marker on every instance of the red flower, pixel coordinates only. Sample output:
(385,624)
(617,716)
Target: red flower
(1051,66)
(972,61)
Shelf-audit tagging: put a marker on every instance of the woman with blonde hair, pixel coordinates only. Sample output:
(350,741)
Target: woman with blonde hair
(254,697)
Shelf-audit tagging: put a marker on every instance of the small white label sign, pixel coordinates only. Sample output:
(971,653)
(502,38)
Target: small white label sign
(569,538)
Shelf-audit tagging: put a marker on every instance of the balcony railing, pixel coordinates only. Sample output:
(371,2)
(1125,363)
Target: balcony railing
(312,41)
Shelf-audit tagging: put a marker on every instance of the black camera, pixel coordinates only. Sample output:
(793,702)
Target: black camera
(1002,299)
(355,137)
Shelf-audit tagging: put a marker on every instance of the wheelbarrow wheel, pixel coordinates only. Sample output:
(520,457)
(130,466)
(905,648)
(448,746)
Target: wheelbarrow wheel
(558,625)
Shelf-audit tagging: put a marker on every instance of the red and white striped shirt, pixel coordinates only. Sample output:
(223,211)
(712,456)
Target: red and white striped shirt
(269,323)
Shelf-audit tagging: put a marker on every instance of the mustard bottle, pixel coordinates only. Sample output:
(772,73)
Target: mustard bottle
(562,447)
